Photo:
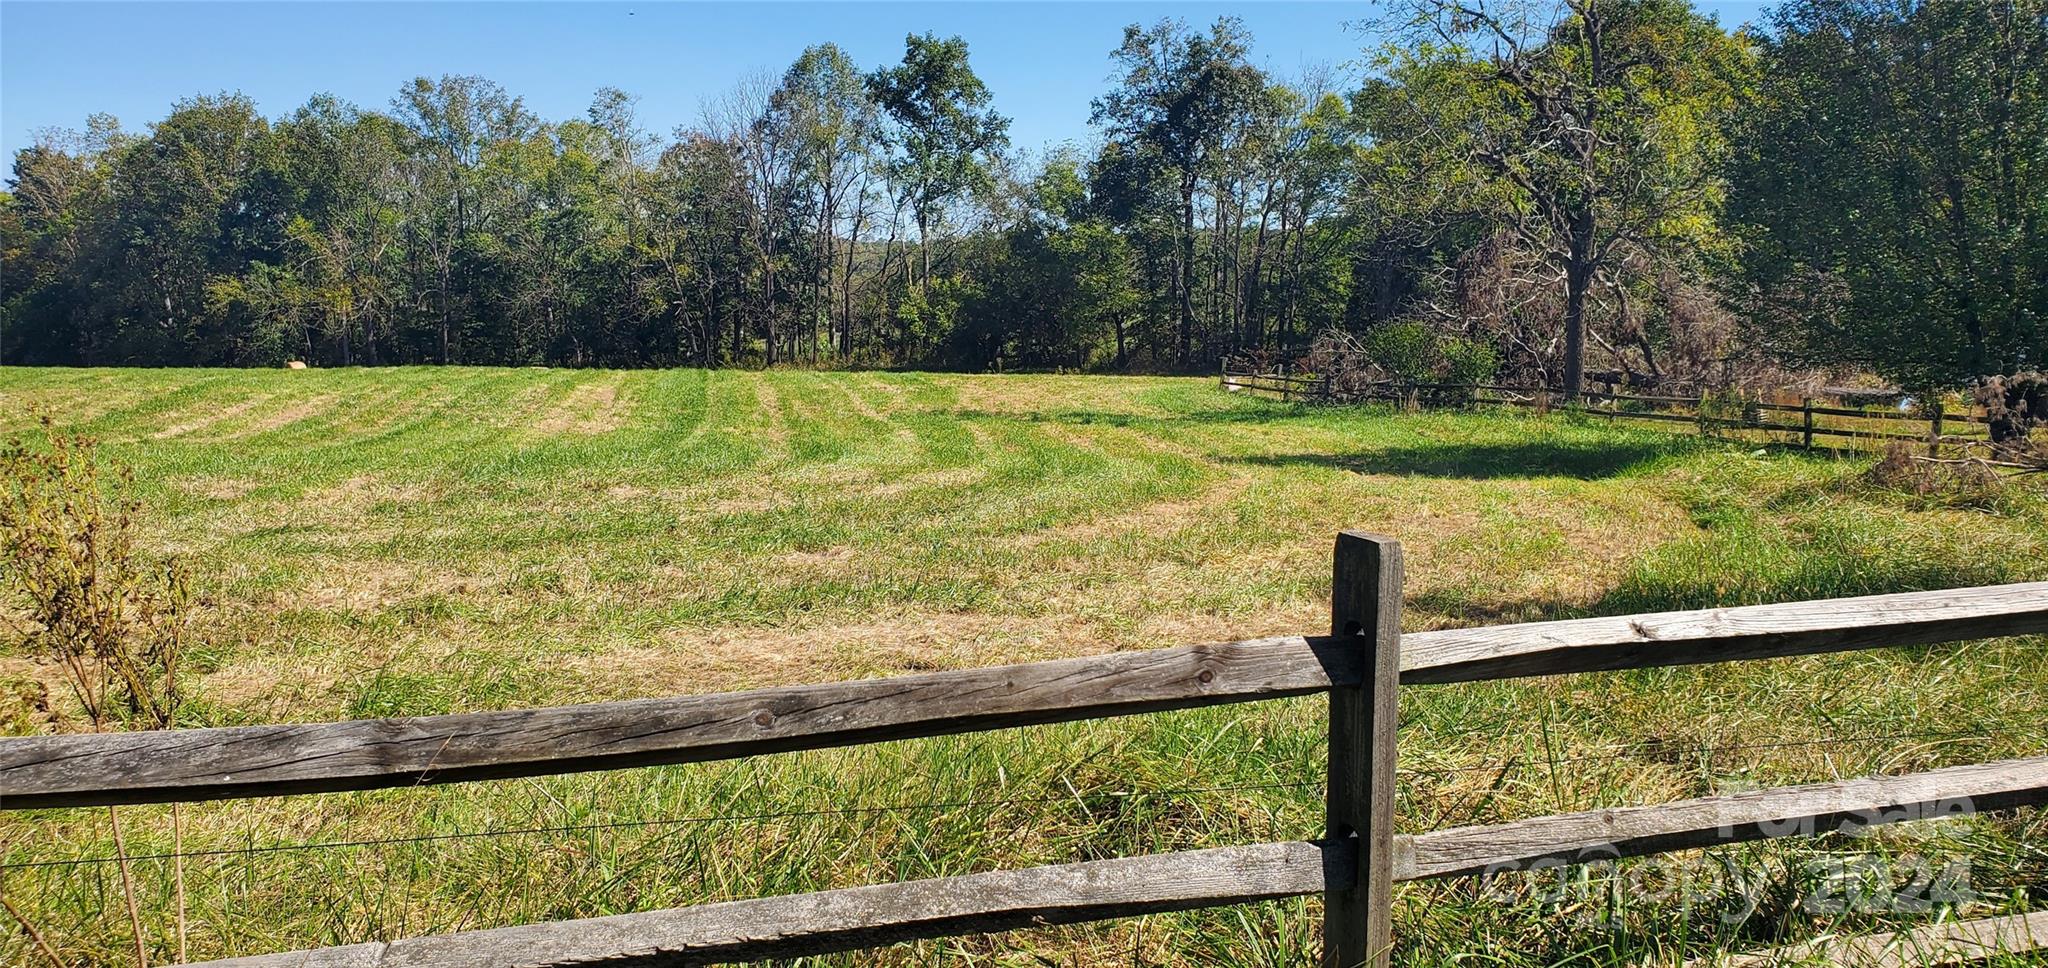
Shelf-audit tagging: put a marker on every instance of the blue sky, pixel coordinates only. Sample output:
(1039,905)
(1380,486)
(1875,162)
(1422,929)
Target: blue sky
(62,61)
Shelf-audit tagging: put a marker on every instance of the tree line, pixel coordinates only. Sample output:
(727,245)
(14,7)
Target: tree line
(1609,190)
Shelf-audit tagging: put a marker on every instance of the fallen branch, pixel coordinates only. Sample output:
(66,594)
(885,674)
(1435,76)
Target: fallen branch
(2030,468)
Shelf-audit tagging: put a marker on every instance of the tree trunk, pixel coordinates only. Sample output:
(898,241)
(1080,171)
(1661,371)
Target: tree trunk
(924,253)
(1187,269)
(1254,296)
(1577,277)
(1579,269)
(447,280)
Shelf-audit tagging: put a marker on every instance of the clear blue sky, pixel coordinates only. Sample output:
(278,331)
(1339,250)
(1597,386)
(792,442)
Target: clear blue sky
(60,62)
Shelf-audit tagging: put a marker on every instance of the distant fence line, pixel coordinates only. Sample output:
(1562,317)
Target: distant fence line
(1816,417)
(1361,665)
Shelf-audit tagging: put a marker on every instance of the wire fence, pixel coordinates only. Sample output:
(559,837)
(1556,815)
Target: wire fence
(1632,751)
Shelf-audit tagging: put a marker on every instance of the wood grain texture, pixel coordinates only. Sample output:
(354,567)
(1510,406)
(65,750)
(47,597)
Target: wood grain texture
(245,761)
(1781,812)
(206,764)
(1723,634)
(1365,610)
(861,917)
(1954,943)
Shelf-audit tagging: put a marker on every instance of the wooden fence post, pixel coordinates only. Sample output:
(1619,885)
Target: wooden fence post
(1806,404)
(1365,606)
(1934,430)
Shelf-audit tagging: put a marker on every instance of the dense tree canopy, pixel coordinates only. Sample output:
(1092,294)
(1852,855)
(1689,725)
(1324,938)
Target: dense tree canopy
(1893,185)
(1616,191)
(1596,142)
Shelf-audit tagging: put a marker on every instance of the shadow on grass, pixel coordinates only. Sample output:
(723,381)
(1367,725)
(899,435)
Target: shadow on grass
(1530,459)
(1276,414)
(1661,581)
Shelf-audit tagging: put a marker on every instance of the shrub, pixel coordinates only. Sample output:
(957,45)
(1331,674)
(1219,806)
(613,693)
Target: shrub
(1405,350)
(1466,361)
(111,617)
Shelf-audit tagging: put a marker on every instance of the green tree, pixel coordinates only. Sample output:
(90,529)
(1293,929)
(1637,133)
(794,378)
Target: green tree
(1061,291)
(1182,94)
(190,207)
(944,134)
(824,103)
(451,203)
(44,221)
(1316,216)
(700,199)
(1593,131)
(342,166)
(1893,187)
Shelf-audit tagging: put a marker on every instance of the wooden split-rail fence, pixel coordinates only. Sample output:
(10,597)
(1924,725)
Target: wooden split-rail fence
(1362,664)
(1810,423)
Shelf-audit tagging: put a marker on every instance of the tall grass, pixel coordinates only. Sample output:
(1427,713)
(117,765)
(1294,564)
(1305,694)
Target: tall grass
(388,542)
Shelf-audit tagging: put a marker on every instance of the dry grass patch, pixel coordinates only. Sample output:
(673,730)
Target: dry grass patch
(271,690)
(368,585)
(590,408)
(937,480)
(1035,394)
(278,420)
(696,660)
(211,418)
(773,422)
(1153,519)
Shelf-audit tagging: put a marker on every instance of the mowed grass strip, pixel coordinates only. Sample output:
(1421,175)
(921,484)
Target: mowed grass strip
(411,541)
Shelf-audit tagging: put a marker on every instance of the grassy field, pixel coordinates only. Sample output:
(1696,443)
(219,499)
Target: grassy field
(406,541)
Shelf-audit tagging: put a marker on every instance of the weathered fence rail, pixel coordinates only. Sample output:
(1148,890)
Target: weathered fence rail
(95,769)
(861,917)
(1361,665)
(1949,943)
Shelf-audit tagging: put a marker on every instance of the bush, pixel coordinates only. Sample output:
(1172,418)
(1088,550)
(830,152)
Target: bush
(1467,362)
(109,616)
(1405,350)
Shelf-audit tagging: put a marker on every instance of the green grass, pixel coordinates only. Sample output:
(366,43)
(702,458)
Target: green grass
(408,541)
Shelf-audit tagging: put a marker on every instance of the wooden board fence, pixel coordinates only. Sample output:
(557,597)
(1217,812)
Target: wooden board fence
(1952,943)
(1362,664)
(1940,426)
(1125,887)
(863,917)
(96,769)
